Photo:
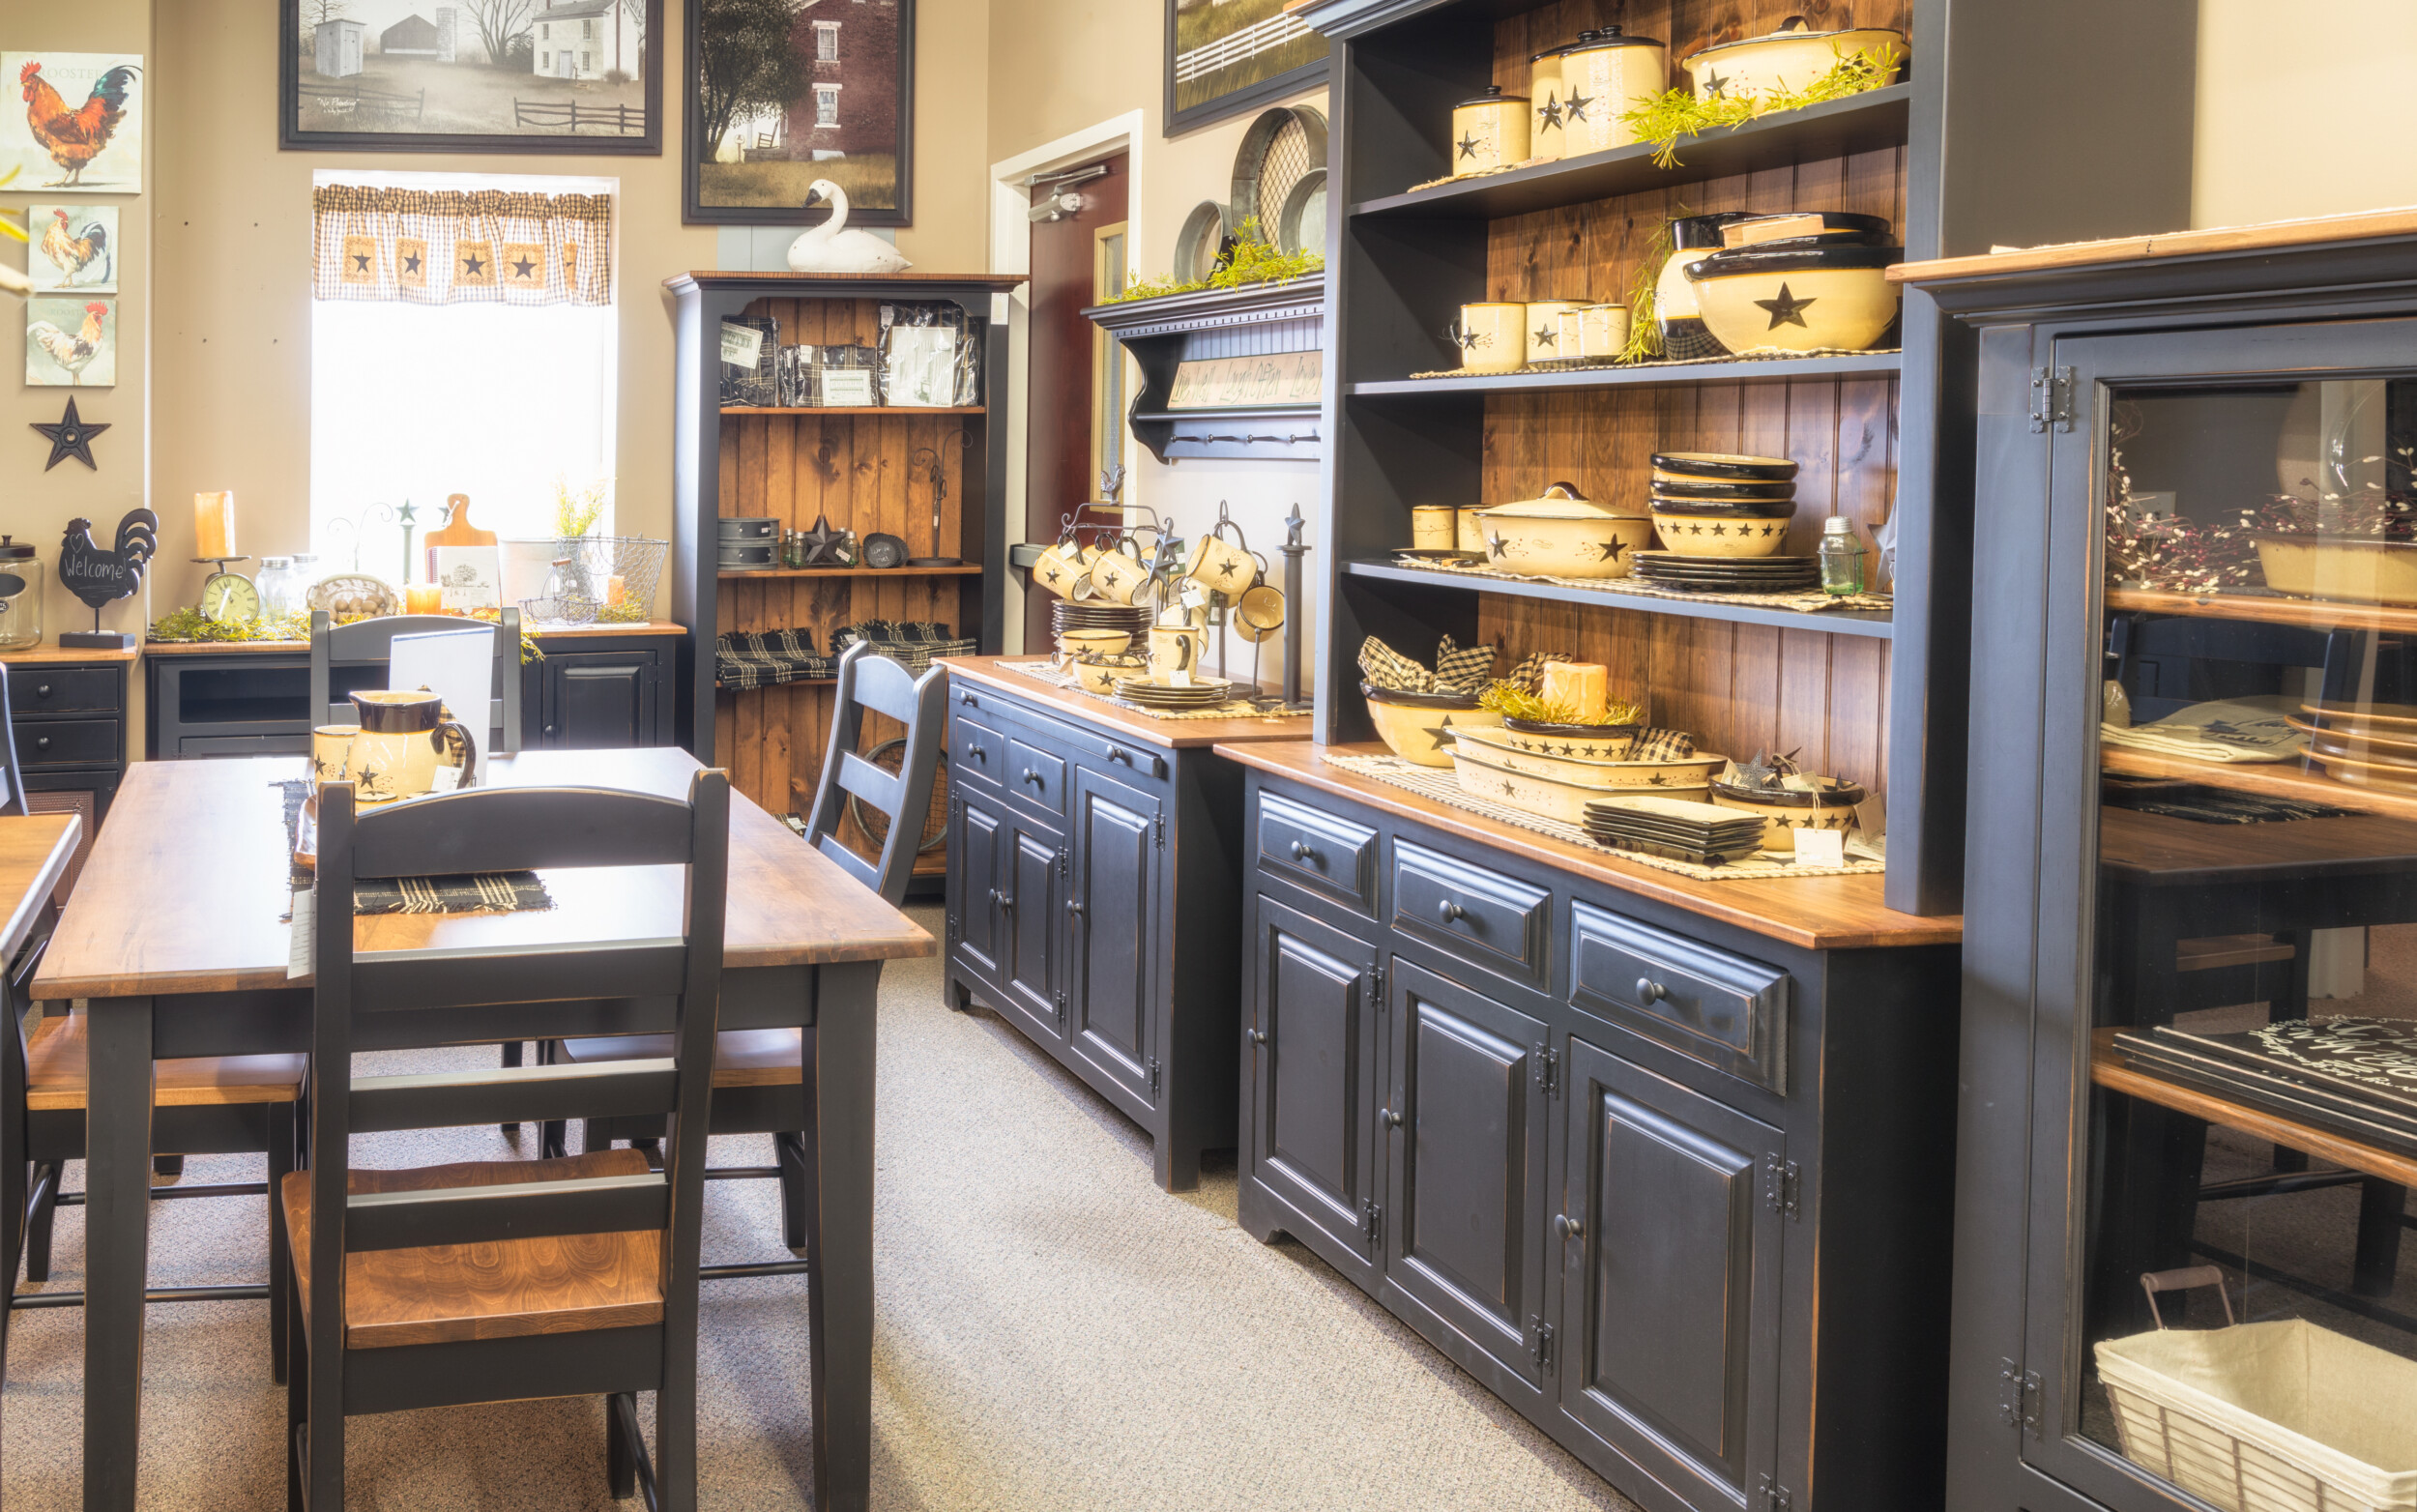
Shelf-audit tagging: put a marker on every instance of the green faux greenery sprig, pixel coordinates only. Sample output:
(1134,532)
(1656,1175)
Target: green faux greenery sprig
(1662,119)
(1513,701)
(1644,295)
(1255,260)
(189,625)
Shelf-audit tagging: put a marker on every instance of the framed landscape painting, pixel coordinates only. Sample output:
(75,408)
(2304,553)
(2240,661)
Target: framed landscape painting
(1228,56)
(471,76)
(783,92)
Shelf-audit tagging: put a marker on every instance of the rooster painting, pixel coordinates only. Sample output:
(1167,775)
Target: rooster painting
(80,251)
(83,112)
(55,355)
(99,577)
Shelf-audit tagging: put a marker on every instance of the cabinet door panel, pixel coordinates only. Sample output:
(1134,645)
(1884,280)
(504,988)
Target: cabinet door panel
(973,874)
(1031,893)
(1313,1135)
(1465,1233)
(597,700)
(1671,1301)
(1112,995)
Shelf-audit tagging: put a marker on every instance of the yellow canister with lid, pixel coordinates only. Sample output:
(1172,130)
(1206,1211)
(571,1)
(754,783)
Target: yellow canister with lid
(1603,79)
(1544,103)
(1489,131)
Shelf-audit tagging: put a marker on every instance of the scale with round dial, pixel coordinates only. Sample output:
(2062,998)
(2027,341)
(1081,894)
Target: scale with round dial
(228,597)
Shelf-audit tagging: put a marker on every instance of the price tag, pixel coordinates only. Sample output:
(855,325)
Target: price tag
(1820,846)
(742,345)
(1194,596)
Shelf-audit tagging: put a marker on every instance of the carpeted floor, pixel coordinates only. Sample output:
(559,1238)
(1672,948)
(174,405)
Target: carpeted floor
(1055,1334)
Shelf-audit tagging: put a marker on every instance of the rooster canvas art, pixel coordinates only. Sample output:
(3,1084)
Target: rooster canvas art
(70,343)
(75,248)
(77,128)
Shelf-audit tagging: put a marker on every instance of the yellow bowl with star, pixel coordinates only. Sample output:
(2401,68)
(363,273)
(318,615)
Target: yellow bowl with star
(1561,534)
(1727,528)
(1775,299)
(1413,726)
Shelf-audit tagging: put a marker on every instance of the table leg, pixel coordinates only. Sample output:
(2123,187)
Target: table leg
(117,1215)
(839,1239)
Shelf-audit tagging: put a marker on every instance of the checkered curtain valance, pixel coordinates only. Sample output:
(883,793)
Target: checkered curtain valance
(446,247)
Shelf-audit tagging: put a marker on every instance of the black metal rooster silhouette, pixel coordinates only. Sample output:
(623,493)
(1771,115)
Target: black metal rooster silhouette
(99,577)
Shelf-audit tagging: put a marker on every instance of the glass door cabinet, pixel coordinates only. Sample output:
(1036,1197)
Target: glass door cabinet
(2190,1126)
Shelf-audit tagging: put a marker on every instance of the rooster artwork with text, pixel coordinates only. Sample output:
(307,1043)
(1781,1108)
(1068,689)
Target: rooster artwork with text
(99,577)
(75,134)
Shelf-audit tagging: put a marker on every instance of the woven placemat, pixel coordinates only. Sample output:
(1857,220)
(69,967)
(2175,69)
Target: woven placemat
(481,892)
(1573,365)
(1439,784)
(1042,671)
(1813,601)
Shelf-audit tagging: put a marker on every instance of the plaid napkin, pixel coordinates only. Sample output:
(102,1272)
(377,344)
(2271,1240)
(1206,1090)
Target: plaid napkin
(910,642)
(1661,745)
(469,893)
(1458,669)
(1529,676)
(760,658)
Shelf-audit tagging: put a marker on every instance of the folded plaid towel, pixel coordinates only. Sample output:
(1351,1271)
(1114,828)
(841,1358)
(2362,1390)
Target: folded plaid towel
(760,658)
(1458,669)
(912,643)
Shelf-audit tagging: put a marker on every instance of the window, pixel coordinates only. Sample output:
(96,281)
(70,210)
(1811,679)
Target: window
(587,29)
(826,41)
(825,104)
(1107,422)
(586,60)
(545,31)
(415,402)
(545,61)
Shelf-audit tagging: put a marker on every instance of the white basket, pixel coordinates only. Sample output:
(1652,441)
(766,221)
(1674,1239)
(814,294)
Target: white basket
(2268,1417)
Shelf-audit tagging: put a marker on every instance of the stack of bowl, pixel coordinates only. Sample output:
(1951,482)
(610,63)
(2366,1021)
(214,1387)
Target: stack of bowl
(1522,764)
(1723,519)
(1067,617)
(2374,745)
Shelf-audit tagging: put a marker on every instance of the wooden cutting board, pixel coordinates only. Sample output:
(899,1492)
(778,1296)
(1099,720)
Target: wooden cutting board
(458,530)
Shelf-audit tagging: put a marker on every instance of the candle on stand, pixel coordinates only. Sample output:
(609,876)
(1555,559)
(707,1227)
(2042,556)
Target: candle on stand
(1585,687)
(214,524)
(422,598)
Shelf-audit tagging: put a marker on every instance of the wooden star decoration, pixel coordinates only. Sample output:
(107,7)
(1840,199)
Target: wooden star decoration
(71,437)
(1787,309)
(1760,772)
(822,545)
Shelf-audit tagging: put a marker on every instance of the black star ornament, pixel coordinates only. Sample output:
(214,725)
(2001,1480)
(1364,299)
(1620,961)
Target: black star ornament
(822,545)
(71,437)
(1787,309)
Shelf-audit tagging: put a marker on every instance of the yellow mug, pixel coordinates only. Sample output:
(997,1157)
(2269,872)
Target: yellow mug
(330,747)
(1173,648)
(1434,527)
(1491,337)
(1223,567)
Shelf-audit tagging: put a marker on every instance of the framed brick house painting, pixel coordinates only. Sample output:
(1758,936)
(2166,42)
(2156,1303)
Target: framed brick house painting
(782,93)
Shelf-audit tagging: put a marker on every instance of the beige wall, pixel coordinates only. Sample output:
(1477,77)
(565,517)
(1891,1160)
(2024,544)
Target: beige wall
(2301,109)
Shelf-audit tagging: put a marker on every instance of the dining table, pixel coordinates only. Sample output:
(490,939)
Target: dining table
(178,936)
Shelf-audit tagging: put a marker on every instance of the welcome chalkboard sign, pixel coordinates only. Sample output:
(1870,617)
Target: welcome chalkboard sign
(100,577)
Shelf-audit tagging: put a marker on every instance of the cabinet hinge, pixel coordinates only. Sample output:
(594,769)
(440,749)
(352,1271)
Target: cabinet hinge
(1371,1222)
(2051,398)
(1063,860)
(1772,1496)
(1779,1185)
(1540,1351)
(1060,1010)
(1547,1063)
(2018,1397)
(1153,1064)
(1376,985)
(957,930)
(1159,822)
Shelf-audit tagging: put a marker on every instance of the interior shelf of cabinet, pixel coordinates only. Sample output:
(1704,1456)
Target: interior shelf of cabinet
(1776,370)
(2274,779)
(961,570)
(791,683)
(1836,622)
(1835,129)
(2107,1070)
(2309,613)
(861,409)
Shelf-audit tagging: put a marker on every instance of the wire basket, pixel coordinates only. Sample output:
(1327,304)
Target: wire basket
(618,573)
(560,609)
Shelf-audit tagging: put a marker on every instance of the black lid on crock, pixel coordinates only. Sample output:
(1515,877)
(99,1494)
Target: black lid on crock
(11,551)
(1493,96)
(1611,37)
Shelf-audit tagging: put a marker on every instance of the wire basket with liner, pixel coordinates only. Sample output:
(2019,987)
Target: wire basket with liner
(620,573)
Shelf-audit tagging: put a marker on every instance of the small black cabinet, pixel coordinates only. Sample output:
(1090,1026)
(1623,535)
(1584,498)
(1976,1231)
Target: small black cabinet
(69,721)
(598,699)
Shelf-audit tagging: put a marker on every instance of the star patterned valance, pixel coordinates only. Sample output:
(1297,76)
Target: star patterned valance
(441,247)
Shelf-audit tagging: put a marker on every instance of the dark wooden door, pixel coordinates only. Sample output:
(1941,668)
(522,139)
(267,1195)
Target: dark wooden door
(1114,914)
(597,700)
(1031,897)
(974,875)
(1463,1229)
(1669,1295)
(1312,1032)
(1059,469)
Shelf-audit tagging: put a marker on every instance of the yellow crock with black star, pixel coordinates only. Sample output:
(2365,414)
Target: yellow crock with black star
(1793,298)
(1489,131)
(1601,81)
(1561,534)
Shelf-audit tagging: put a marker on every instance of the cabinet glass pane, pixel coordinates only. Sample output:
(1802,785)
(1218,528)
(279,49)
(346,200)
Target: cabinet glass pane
(2252,1121)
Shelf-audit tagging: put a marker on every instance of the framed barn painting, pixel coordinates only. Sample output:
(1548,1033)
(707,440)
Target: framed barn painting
(1225,57)
(782,93)
(471,76)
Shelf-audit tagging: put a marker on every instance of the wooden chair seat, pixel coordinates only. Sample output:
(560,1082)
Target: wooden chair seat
(58,1060)
(509,1289)
(741,1056)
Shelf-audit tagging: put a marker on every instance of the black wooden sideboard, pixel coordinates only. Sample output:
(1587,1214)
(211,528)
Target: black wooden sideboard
(1666,1164)
(1094,876)
(68,709)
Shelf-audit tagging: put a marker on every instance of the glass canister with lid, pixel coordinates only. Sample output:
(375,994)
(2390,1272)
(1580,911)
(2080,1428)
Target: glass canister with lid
(20,595)
(282,585)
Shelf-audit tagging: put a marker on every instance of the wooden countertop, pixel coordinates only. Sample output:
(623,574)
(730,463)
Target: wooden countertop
(2107,1069)
(185,888)
(1816,913)
(2159,851)
(1179,733)
(33,656)
(2314,230)
(566,633)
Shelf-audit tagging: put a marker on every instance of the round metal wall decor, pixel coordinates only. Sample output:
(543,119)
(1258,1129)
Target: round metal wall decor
(1195,248)
(1302,226)
(1280,148)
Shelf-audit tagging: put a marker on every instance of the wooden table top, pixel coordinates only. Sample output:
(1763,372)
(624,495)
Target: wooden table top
(34,852)
(1816,913)
(1101,713)
(557,632)
(186,888)
(2161,851)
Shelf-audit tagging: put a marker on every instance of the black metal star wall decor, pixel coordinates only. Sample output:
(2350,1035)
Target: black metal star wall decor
(1787,309)
(71,437)
(822,545)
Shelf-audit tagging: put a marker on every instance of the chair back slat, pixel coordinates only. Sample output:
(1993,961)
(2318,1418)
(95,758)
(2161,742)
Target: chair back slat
(513,1094)
(872,681)
(488,829)
(400,981)
(886,686)
(514,1210)
(374,640)
(853,864)
(501,1023)
(869,782)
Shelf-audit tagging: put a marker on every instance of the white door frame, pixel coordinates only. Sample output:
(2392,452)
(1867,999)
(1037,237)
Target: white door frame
(1011,251)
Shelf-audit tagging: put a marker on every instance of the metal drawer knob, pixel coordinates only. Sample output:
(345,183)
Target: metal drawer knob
(1258,1036)
(1074,907)
(1565,1227)
(1649,992)
(1029,775)
(1116,753)
(1391,1120)
(42,743)
(1007,901)
(1302,853)
(994,894)
(1449,911)
(43,691)
(978,753)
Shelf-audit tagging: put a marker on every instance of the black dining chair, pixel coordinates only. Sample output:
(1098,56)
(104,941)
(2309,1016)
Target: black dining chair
(371,641)
(763,1079)
(497,1281)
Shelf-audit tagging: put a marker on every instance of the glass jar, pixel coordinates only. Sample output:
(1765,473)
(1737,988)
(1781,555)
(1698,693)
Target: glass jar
(282,585)
(20,595)
(1842,557)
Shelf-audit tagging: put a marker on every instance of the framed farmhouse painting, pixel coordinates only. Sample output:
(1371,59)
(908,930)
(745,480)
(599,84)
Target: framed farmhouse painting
(1225,57)
(81,131)
(784,92)
(471,76)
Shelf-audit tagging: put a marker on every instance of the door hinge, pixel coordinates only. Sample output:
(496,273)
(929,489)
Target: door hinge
(1371,1222)
(1062,1010)
(1376,985)
(1541,1351)
(1153,1064)
(956,929)
(1779,1185)
(2051,398)
(2018,1397)
(1063,860)
(1772,1496)
(1548,1061)
(1159,822)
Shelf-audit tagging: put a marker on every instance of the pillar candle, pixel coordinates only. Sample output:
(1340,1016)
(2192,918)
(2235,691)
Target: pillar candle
(613,590)
(214,524)
(423,598)
(1583,685)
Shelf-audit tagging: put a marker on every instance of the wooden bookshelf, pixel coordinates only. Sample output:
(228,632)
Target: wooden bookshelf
(2107,1070)
(961,570)
(857,409)
(2314,614)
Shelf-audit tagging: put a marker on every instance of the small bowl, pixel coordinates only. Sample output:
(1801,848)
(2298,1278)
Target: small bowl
(1740,528)
(1097,672)
(1722,467)
(1412,725)
(1439,556)
(1694,491)
(1099,643)
(1787,810)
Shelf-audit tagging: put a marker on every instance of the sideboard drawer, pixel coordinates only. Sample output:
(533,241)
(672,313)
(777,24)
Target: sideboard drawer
(44,690)
(68,743)
(1327,854)
(1476,914)
(1036,777)
(976,750)
(1726,1010)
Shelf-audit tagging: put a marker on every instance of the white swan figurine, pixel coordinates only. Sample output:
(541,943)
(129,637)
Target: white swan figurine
(832,248)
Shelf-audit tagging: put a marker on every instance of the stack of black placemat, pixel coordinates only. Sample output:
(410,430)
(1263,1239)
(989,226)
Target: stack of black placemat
(2357,1076)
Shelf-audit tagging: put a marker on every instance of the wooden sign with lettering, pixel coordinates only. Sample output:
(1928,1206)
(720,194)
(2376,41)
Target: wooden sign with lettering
(1231,382)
